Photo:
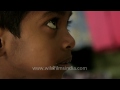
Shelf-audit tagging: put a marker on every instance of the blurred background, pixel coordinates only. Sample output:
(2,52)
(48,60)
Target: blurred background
(97,38)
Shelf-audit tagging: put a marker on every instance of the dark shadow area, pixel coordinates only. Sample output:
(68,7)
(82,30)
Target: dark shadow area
(83,58)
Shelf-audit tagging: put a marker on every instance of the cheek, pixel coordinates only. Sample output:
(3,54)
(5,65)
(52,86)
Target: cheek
(37,55)
(31,54)
(24,55)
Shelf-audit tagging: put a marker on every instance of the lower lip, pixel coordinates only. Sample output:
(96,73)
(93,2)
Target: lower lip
(64,65)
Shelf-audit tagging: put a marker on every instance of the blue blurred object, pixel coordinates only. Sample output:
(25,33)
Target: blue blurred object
(79,31)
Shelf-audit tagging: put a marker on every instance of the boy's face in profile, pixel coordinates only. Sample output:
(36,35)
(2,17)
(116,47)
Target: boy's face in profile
(45,41)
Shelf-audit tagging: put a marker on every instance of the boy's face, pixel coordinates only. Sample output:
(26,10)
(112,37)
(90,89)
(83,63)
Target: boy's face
(45,41)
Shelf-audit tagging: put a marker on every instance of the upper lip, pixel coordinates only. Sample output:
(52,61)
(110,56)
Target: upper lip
(67,60)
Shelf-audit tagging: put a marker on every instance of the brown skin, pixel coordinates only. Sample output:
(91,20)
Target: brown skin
(39,46)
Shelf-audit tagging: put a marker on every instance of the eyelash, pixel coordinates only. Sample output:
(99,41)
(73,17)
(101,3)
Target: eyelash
(55,21)
(69,23)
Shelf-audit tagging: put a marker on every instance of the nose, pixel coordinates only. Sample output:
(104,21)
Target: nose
(69,42)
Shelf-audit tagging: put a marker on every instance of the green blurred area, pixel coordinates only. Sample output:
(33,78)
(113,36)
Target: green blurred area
(108,63)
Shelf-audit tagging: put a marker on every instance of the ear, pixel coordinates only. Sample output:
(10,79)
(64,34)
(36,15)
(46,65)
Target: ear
(2,50)
(0,43)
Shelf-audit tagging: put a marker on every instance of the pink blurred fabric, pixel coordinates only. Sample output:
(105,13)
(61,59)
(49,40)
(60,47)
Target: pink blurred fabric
(115,18)
(104,27)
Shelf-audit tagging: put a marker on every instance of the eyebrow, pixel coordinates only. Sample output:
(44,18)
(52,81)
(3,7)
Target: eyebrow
(56,12)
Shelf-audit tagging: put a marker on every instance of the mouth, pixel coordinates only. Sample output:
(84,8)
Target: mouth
(65,63)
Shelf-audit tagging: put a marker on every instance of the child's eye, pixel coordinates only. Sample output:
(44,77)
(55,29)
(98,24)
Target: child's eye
(53,23)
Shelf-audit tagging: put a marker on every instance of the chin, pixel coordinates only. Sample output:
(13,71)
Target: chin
(56,76)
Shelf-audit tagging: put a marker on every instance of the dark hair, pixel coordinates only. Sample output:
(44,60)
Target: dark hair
(11,20)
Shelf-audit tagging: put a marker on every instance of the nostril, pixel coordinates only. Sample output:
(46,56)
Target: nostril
(68,47)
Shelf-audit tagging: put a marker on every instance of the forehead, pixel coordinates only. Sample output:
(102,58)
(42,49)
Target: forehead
(59,12)
(47,13)
(40,16)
